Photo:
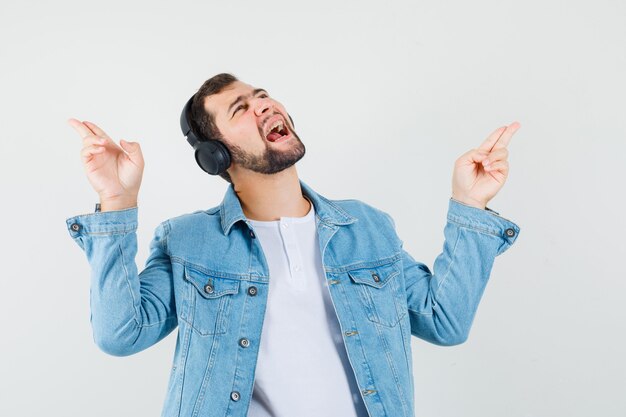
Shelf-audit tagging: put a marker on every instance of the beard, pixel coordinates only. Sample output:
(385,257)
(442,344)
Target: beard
(272,160)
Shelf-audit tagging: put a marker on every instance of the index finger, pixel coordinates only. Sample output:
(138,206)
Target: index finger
(504,140)
(96,129)
(82,129)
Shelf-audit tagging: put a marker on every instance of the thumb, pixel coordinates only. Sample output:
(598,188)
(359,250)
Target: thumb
(478,155)
(133,150)
(130,147)
(472,156)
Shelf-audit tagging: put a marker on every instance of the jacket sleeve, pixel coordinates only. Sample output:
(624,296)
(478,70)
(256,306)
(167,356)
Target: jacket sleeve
(129,311)
(442,305)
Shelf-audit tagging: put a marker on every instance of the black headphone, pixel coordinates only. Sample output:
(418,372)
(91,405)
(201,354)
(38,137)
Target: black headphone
(211,155)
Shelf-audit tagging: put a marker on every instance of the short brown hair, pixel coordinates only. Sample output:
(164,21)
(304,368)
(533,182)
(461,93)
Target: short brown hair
(202,120)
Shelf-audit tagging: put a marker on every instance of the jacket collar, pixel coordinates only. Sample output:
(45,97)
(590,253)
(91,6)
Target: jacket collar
(325,210)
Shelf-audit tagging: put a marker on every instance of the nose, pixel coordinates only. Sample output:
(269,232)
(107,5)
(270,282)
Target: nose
(262,105)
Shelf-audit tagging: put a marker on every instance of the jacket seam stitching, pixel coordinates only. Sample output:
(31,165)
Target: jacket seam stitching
(445,277)
(477,228)
(389,357)
(112,232)
(215,273)
(365,264)
(406,356)
(126,275)
(336,207)
(185,355)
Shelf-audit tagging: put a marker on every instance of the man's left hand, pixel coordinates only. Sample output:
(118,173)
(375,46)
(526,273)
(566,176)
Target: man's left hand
(480,173)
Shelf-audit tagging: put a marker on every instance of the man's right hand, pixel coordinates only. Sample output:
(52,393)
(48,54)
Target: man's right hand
(114,172)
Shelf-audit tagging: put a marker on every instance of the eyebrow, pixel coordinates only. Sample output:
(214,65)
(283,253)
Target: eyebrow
(254,93)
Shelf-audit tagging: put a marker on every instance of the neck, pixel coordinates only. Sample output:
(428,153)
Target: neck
(270,197)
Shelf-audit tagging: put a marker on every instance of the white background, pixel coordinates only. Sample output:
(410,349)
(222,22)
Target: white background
(385,96)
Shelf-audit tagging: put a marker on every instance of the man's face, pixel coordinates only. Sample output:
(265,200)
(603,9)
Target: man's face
(245,116)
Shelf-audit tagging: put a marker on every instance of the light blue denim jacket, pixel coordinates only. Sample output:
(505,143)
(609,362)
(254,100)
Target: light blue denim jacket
(207,274)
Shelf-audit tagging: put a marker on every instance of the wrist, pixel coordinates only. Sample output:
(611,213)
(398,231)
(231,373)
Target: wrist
(470,202)
(117,204)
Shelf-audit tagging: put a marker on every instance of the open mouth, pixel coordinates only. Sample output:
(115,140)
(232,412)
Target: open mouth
(277,132)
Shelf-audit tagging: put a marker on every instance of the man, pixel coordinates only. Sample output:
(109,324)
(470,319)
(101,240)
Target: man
(287,303)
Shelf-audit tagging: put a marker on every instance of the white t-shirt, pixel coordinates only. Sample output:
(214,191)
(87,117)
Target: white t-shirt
(302,368)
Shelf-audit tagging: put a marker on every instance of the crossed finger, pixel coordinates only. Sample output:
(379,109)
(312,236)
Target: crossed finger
(83,130)
(92,135)
(86,129)
(500,138)
(88,151)
(96,130)
(495,158)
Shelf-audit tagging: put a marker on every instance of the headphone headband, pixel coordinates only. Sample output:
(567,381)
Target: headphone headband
(185,123)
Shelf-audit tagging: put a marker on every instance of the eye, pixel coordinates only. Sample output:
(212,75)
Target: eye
(239,107)
(263,95)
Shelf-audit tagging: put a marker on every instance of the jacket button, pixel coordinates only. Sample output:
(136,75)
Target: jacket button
(75,227)
(234,396)
(510,232)
(252,291)
(376,277)
(252,234)
(243,342)
(208,288)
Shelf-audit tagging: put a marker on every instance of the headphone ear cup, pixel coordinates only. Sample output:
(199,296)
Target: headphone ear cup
(212,156)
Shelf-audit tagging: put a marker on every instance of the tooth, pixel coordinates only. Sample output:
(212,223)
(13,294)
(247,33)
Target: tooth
(278,123)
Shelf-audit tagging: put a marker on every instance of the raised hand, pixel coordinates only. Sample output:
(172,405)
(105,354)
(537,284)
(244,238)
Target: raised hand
(114,172)
(480,173)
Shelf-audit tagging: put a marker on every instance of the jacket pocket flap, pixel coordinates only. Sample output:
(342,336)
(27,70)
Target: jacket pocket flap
(211,286)
(376,276)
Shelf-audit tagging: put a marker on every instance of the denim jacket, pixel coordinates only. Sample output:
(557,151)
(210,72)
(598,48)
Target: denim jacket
(206,274)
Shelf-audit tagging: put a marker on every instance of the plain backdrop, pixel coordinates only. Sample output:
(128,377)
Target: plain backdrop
(385,96)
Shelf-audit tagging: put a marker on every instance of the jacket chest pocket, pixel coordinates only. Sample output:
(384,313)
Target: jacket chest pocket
(207,302)
(379,290)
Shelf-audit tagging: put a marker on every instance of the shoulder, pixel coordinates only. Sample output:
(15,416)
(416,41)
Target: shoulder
(193,218)
(363,210)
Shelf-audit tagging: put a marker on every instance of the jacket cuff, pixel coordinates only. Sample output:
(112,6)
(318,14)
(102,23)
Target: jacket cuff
(485,221)
(103,222)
